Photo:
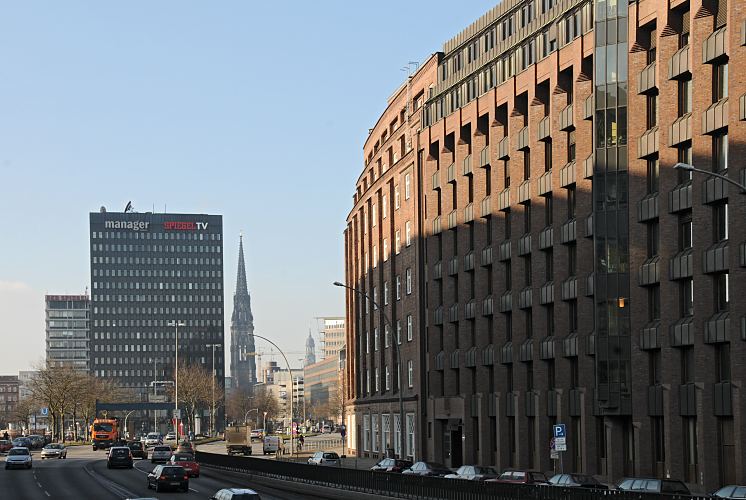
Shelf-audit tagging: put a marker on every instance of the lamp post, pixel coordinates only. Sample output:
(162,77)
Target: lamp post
(264,421)
(246,415)
(176,324)
(690,168)
(155,393)
(402,417)
(212,414)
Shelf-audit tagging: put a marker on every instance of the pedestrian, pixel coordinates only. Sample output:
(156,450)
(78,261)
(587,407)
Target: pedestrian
(5,435)
(301,440)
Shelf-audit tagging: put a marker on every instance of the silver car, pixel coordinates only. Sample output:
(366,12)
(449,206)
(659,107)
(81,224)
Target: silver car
(324,458)
(160,453)
(18,457)
(54,450)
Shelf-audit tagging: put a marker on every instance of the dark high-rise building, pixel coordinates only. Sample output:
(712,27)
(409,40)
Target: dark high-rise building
(243,361)
(149,270)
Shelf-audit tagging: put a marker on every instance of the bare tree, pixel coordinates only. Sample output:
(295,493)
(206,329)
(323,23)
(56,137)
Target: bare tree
(195,390)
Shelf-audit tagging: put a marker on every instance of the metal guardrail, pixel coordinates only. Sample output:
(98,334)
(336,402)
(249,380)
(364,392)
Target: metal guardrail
(411,486)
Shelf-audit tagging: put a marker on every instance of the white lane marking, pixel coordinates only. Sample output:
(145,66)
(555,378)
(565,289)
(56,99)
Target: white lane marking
(38,484)
(192,489)
(45,491)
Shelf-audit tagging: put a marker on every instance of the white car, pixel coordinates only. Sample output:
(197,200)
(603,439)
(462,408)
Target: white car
(324,458)
(153,439)
(161,454)
(18,457)
(171,436)
(54,450)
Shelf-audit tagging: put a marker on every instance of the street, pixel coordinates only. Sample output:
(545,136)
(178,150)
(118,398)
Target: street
(83,475)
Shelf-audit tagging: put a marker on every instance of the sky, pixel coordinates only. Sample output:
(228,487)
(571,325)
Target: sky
(254,110)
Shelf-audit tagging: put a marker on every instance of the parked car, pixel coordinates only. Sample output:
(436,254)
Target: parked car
(427,469)
(392,465)
(573,480)
(5,445)
(153,439)
(18,457)
(138,449)
(731,492)
(187,461)
(236,494)
(324,458)
(165,477)
(651,485)
(517,476)
(54,450)
(119,456)
(161,453)
(473,473)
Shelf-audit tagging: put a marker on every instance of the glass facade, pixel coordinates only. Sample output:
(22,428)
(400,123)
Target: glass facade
(67,331)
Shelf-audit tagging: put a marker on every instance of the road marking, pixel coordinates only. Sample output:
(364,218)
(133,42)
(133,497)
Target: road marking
(38,484)
(45,491)
(192,489)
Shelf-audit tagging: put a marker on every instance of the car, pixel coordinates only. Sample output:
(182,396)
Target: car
(473,473)
(37,441)
(185,447)
(119,456)
(731,492)
(652,485)
(392,465)
(326,429)
(22,442)
(516,476)
(574,480)
(427,469)
(187,461)
(54,450)
(324,458)
(235,494)
(165,477)
(18,457)
(171,436)
(161,453)
(137,449)
(5,445)
(257,433)
(153,439)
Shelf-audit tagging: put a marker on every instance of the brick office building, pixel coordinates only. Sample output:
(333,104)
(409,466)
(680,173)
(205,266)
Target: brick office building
(562,270)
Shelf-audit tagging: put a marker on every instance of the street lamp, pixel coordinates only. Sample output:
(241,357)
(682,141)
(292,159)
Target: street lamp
(690,168)
(212,415)
(246,415)
(402,417)
(176,324)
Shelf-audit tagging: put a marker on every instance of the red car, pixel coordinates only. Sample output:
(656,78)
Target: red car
(513,476)
(185,460)
(5,445)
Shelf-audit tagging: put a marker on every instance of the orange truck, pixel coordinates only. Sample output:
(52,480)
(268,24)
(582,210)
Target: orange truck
(104,432)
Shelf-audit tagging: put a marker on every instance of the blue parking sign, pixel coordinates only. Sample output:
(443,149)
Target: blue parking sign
(560,431)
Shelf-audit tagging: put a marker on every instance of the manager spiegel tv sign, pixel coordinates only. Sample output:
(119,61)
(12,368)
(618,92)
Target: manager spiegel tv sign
(168,225)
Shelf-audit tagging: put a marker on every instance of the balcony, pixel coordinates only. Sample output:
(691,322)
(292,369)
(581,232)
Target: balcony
(436,179)
(524,244)
(526,351)
(469,213)
(486,256)
(503,148)
(470,310)
(647,208)
(680,130)
(717,328)
(486,206)
(723,399)
(453,266)
(545,183)
(650,272)
(484,157)
(570,345)
(506,358)
(523,142)
(451,173)
(568,232)
(436,225)
(570,288)
(545,130)
(678,65)
(524,191)
(487,309)
(506,302)
(680,197)
(438,316)
(452,219)
(688,400)
(467,165)
(589,285)
(469,261)
(715,45)
(715,116)
(682,332)
(547,347)
(488,359)
(715,258)
(438,270)
(714,190)
(680,265)
(503,199)
(566,119)
(546,293)
(646,79)
(648,143)
(470,360)
(504,251)
(588,167)
(567,175)
(453,314)
(588,110)
(546,238)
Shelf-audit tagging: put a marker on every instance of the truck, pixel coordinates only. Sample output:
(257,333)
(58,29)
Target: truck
(238,439)
(272,444)
(104,432)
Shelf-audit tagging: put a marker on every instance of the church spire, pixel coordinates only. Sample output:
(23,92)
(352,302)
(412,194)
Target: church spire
(241,288)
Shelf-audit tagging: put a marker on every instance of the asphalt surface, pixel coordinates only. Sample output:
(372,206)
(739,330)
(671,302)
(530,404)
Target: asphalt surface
(83,475)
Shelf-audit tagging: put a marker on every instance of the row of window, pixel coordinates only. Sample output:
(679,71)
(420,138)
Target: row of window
(149,285)
(8,388)
(387,378)
(101,247)
(136,235)
(81,313)
(153,335)
(154,322)
(157,273)
(158,298)
(173,261)
(380,436)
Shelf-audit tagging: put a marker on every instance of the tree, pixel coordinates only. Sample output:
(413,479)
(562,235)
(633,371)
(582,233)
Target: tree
(266,401)
(195,390)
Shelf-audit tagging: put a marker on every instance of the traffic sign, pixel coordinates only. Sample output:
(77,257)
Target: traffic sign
(44,411)
(560,431)
(560,444)
(177,413)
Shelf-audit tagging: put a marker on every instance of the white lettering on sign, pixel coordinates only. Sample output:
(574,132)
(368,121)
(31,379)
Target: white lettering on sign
(134,225)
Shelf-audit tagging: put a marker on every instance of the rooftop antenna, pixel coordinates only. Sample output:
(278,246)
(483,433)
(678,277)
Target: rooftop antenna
(128,207)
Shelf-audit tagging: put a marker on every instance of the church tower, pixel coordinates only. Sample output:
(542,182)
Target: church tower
(310,350)
(243,360)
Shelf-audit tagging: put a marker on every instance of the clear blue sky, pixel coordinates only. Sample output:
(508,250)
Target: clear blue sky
(254,110)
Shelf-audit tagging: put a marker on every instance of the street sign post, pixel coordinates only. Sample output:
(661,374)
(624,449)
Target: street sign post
(559,443)
(44,411)
(177,414)
(560,431)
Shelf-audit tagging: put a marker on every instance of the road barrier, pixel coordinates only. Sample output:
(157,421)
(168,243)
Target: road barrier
(412,486)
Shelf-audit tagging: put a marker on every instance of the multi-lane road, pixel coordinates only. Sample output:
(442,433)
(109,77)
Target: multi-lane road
(83,475)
